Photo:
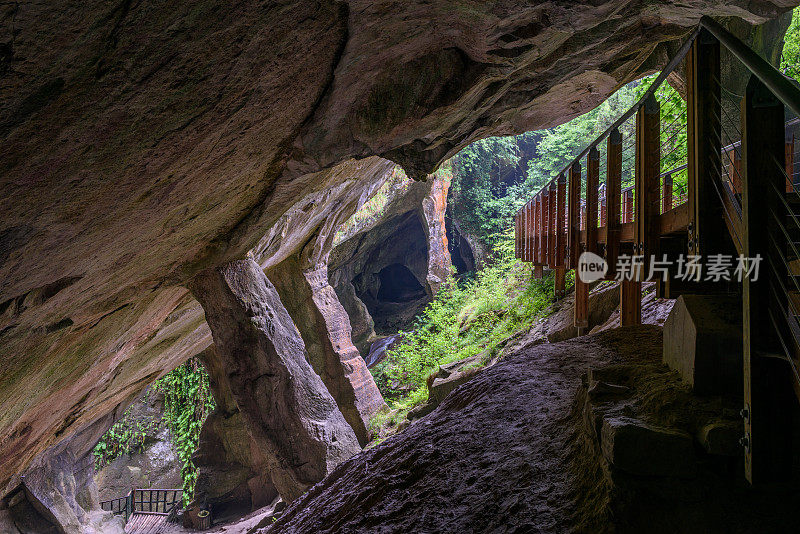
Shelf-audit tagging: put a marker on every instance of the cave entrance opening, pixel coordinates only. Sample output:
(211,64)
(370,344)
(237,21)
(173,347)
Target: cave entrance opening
(398,284)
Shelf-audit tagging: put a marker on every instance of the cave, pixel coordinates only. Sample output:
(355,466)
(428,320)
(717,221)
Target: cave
(165,196)
(460,251)
(398,284)
(386,266)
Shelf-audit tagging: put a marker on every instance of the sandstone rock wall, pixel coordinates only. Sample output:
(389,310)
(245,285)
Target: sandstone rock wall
(156,465)
(284,404)
(57,492)
(146,142)
(387,271)
(233,473)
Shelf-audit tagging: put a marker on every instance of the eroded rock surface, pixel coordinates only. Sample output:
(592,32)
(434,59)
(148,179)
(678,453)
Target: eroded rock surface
(155,465)
(285,406)
(233,473)
(391,267)
(493,456)
(57,493)
(145,142)
(531,444)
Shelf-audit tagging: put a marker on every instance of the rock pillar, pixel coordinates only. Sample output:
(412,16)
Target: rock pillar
(284,404)
(233,476)
(434,206)
(325,328)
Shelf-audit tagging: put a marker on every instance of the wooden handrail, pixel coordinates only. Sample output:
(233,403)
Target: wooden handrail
(781,86)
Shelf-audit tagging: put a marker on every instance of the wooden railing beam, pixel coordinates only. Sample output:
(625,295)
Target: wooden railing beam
(768,393)
(707,231)
(613,199)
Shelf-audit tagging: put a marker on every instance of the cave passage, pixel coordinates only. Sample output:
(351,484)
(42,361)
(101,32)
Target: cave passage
(398,284)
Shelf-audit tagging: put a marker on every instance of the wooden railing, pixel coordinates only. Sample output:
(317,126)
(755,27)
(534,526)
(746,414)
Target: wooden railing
(742,198)
(155,501)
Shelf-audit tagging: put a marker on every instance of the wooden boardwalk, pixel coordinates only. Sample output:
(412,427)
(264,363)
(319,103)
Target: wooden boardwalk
(146,524)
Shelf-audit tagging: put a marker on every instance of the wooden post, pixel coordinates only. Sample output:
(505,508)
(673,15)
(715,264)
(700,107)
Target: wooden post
(603,213)
(789,159)
(560,281)
(573,216)
(581,312)
(592,183)
(554,233)
(530,240)
(546,227)
(559,217)
(767,380)
(537,221)
(516,236)
(667,193)
(521,216)
(628,207)
(706,228)
(613,200)
(630,303)
(648,161)
(525,233)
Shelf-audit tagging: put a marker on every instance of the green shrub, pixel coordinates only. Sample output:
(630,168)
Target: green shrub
(187,403)
(466,318)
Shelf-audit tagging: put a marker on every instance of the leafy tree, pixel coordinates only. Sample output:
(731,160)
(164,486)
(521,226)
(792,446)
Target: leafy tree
(790,58)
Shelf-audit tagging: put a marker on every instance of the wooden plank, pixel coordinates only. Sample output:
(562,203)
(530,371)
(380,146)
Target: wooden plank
(666,195)
(706,219)
(573,216)
(613,200)
(674,220)
(767,380)
(592,183)
(646,180)
(516,236)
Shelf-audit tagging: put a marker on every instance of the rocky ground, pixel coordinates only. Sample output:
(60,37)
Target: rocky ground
(593,434)
(496,456)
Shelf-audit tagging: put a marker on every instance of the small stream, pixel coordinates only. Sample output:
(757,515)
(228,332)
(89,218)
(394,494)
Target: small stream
(377,351)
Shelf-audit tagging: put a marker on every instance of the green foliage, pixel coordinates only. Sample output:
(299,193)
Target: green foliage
(790,58)
(187,403)
(489,183)
(125,437)
(465,319)
(494,177)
